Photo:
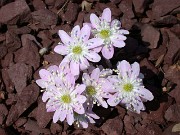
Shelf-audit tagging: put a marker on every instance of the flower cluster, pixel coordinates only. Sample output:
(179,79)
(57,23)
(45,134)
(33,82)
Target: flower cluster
(72,101)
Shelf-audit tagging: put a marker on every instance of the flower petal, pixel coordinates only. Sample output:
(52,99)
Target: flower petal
(75,31)
(61,49)
(45,96)
(70,80)
(84,124)
(102,102)
(95,74)
(80,88)
(113,101)
(85,33)
(79,109)
(74,66)
(81,98)
(125,32)
(84,64)
(135,69)
(44,74)
(146,94)
(70,117)
(65,38)
(62,115)
(108,52)
(56,115)
(118,37)
(92,56)
(41,83)
(94,42)
(116,22)
(118,43)
(97,49)
(124,67)
(86,79)
(94,20)
(106,15)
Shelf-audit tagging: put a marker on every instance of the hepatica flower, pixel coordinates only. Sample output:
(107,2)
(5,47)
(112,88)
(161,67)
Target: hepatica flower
(49,77)
(128,87)
(96,88)
(78,48)
(109,31)
(66,99)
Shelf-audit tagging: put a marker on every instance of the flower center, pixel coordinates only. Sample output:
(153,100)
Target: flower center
(104,34)
(91,90)
(66,99)
(128,87)
(77,50)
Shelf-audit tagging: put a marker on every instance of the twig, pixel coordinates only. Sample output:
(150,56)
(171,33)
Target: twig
(62,7)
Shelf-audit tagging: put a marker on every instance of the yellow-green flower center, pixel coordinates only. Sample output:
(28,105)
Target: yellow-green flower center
(66,98)
(77,50)
(128,87)
(90,90)
(104,34)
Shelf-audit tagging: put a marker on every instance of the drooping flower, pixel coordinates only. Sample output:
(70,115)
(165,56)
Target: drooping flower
(109,31)
(83,119)
(128,87)
(97,88)
(65,99)
(78,48)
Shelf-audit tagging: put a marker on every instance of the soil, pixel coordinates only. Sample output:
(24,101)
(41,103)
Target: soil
(154,41)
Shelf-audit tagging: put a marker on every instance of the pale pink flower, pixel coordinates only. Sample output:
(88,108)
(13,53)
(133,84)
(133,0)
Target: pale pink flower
(108,30)
(97,88)
(66,98)
(78,48)
(48,78)
(128,87)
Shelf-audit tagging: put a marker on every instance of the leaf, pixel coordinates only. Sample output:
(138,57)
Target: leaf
(176,128)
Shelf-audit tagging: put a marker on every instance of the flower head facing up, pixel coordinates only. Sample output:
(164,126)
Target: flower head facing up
(128,87)
(97,88)
(65,99)
(109,31)
(78,48)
